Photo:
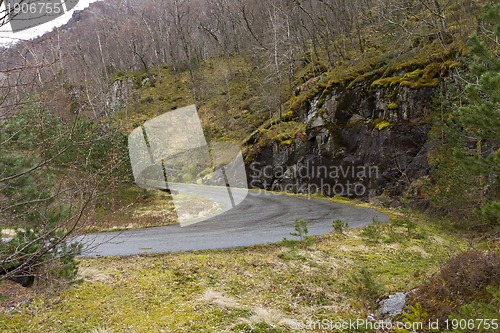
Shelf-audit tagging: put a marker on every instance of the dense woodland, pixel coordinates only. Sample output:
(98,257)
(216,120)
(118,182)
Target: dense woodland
(275,38)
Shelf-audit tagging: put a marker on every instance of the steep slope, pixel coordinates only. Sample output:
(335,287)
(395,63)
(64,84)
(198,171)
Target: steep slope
(360,142)
(330,103)
(361,129)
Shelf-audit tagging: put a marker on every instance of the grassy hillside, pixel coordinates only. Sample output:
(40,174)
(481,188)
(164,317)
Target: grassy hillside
(228,105)
(260,289)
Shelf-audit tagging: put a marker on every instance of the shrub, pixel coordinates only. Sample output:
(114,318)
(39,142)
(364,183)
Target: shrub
(301,231)
(470,315)
(44,249)
(460,281)
(339,226)
(365,286)
(372,232)
(409,226)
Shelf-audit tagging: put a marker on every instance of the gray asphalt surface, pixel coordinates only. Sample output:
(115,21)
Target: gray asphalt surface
(260,219)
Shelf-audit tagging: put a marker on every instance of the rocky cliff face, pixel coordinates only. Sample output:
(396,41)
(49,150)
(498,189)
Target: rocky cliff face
(119,94)
(358,142)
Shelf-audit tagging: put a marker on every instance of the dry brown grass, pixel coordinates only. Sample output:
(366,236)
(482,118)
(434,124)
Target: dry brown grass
(462,279)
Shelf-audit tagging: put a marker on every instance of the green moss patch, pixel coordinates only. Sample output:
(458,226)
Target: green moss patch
(380,124)
(419,78)
(393,106)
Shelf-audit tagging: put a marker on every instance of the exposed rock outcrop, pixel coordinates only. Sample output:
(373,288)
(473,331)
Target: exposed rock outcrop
(119,94)
(358,142)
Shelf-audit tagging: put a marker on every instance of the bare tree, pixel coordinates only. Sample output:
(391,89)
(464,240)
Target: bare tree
(53,165)
(52,171)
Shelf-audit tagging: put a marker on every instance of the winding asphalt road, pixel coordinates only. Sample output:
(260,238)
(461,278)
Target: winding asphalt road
(260,218)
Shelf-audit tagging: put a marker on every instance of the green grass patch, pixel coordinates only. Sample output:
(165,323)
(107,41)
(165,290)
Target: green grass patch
(337,276)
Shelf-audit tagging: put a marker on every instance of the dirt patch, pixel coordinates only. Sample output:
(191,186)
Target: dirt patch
(13,295)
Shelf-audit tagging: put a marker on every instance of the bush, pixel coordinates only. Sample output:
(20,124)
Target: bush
(365,286)
(339,226)
(301,231)
(373,232)
(470,313)
(44,249)
(51,171)
(462,280)
(398,230)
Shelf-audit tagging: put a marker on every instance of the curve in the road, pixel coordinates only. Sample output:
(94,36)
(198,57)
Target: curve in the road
(260,219)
